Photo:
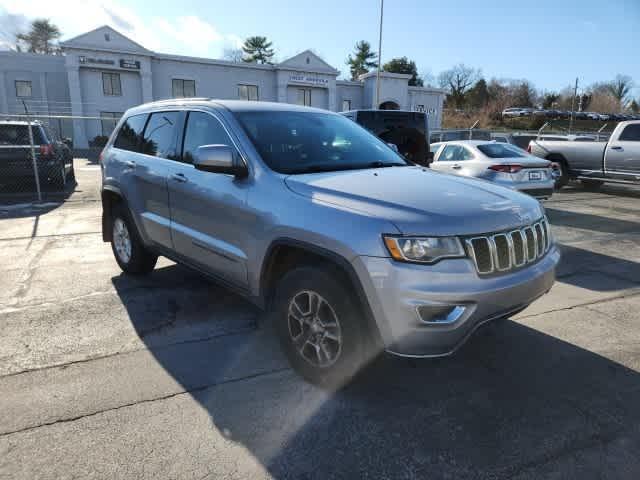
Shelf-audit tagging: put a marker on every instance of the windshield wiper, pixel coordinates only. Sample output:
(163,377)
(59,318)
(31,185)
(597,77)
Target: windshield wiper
(323,167)
(379,164)
(317,168)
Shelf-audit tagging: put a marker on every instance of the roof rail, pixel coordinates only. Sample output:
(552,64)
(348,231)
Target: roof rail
(182,99)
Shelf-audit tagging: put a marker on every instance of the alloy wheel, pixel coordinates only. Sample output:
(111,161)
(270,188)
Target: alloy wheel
(314,329)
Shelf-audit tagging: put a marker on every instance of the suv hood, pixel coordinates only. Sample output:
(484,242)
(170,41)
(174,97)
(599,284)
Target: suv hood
(420,201)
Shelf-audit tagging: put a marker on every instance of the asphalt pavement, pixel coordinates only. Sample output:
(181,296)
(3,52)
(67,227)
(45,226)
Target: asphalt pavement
(171,376)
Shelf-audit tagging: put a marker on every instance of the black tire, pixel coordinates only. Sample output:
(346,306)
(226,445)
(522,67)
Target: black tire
(591,184)
(59,177)
(72,174)
(140,260)
(356,347)
(563,180)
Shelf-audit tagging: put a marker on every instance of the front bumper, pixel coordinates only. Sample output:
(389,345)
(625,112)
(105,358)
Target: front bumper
(396,291)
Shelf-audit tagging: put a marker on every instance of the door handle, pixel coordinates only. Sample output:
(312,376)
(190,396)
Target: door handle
(179,177)
(456,167)
(617,148)
(130,163)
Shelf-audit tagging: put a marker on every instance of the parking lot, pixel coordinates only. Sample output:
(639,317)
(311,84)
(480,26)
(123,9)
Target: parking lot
(171,376)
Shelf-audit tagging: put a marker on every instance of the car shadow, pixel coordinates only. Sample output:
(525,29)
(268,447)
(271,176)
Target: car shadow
(585,268)
(512,401)
(26,204)
(610,189)
(587,221)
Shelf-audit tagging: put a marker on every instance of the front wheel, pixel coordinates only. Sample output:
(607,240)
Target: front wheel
(322,332)
(130,253)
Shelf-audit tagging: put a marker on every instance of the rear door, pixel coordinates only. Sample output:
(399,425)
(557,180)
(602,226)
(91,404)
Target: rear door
(623,155)
(209,216)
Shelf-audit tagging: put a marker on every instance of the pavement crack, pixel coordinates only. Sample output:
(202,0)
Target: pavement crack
(145,401)
(243,331)
(586,304)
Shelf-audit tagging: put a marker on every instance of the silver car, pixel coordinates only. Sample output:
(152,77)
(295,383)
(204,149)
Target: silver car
(500,163)
(353,248)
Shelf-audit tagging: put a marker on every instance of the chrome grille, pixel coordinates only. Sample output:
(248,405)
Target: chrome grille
(505,251)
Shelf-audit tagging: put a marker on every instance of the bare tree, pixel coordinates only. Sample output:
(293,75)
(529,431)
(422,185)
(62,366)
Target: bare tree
(620,88)
(233,55)
(458,80)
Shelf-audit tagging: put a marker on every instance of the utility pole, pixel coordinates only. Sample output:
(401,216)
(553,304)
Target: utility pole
(573,103)
(379,57)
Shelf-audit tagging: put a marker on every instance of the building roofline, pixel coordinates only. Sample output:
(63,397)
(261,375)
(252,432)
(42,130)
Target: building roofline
(211,61)
(73,39)
(353,83)
(414,88)
(385,75)
(11,53)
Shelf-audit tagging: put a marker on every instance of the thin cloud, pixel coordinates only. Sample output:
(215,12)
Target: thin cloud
(184,35)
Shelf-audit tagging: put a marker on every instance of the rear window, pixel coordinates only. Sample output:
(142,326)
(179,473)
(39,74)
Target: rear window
(19,135)
(500,150)
(129,137)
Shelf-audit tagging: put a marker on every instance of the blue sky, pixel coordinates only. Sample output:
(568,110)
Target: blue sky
(549,42)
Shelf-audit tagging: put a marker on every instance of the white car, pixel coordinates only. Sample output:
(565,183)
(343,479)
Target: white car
(500,163)
(514,112)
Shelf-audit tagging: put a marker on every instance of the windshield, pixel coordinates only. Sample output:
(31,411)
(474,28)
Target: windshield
(501,150)
(303,142)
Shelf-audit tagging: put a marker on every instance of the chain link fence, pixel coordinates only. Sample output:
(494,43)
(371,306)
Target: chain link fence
(37,152)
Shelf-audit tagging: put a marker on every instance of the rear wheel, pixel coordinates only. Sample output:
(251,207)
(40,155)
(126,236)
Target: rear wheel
(130,253)
(59,177)
(322,332)
(563,179)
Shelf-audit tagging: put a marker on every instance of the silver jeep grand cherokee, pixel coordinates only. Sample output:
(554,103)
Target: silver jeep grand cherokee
(308,215)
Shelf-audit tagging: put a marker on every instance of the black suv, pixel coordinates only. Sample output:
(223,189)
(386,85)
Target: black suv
(53,156)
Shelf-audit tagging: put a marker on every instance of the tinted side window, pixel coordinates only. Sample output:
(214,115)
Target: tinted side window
(129,137)
(159,137)
(631,133)
(202,129)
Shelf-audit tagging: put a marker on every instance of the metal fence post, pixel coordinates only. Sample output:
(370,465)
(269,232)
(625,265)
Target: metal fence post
(34,162)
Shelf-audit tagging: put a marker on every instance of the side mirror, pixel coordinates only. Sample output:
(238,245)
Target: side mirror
(218,159)
(394,147)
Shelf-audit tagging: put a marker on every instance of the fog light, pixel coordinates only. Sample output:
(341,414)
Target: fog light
(440,314)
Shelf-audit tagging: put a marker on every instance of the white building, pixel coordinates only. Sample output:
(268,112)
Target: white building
(103,73)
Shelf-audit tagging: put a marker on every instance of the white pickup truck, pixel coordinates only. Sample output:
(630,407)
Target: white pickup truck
(594,163)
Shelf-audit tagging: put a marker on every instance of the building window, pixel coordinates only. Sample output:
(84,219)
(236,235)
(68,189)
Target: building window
(111,84)
(419,108)
(23,88)
(183,88)
(346,105)
(248,92)
(109,121)
(304,97)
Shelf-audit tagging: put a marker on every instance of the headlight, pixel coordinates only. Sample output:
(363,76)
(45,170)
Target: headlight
(423,249)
